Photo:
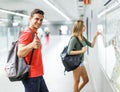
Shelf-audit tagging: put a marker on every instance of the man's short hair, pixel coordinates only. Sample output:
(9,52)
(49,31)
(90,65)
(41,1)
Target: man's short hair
(36,11)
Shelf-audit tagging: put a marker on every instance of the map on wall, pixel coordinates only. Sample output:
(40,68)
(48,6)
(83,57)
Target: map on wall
(110,29)
(113,37)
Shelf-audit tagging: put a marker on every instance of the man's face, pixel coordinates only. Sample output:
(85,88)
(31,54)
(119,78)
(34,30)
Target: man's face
(36,21)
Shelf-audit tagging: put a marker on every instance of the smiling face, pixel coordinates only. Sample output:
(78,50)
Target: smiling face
(36,21)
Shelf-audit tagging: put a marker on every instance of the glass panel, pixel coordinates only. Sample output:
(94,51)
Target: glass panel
(110,53)
(7,36)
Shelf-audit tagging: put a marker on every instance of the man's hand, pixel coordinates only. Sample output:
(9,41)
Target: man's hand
(36,42)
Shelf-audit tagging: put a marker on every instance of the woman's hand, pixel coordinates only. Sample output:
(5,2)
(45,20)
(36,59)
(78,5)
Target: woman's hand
(97,33)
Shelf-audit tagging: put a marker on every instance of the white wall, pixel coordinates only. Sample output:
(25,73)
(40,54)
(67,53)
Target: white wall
(99,77)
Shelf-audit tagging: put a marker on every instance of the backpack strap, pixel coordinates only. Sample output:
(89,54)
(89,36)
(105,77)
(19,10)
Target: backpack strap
(31,57)
(65,72)
(78,40)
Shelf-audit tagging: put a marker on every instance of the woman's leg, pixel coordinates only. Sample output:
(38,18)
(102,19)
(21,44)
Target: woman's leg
(84,77)
(76,76)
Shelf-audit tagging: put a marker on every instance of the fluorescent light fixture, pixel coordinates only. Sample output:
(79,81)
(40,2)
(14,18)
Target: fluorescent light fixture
(108,9)
(14,13)
(56,9)
(17,14)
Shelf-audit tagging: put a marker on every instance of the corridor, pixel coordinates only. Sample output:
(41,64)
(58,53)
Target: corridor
(53,69)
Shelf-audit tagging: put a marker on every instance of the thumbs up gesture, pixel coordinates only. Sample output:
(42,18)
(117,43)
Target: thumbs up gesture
(36,42)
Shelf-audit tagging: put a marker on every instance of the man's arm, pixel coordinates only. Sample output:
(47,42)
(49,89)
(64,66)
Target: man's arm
(23,50)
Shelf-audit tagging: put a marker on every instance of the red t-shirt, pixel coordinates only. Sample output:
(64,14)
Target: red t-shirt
(36,67)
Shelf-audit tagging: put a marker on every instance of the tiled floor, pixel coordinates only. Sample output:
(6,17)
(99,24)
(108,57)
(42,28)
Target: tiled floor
(53,68)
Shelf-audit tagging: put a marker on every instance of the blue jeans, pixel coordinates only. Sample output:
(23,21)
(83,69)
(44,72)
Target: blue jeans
(36,84)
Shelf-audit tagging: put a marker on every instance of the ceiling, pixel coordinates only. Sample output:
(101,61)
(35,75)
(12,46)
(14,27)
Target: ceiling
(73,9)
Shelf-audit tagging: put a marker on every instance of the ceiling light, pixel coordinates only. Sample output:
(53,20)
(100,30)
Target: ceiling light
(14,13)
(56,9)
(108,9)
(17,14)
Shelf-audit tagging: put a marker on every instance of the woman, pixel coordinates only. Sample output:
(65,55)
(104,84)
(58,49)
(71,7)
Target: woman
(74,48)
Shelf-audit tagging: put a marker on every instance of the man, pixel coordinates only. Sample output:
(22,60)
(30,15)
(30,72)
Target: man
(28,41)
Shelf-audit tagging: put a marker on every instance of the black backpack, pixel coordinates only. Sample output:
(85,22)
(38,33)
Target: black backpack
(70,62)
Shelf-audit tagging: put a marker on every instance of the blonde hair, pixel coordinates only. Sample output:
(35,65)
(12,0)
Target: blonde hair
(78,28)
